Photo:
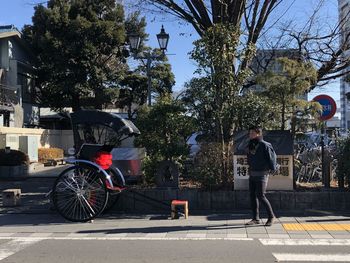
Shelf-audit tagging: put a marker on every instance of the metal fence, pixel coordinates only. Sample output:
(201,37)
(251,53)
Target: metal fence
(308,164)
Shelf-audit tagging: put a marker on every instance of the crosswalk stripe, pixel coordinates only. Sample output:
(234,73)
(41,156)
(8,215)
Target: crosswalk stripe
(305,242)
(312,257)
(15,245)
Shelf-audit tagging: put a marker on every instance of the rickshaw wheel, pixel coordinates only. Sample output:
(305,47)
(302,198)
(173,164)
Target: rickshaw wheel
(80,193)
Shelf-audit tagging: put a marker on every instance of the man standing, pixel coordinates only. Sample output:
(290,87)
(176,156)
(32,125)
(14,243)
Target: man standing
(261,160)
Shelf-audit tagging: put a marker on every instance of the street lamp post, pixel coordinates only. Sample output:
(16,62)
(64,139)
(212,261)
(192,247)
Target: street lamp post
(134,41)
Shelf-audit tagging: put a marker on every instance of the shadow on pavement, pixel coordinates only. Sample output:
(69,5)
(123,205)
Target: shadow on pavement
(162,229)
(30,219)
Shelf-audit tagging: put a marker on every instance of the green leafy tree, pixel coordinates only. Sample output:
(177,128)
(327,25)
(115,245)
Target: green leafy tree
(79,51)
(164,131)
(285,88)
(249,109)
(217,89)
(161,74)
(134,86)
(133,91)
(252,109)
(136,24)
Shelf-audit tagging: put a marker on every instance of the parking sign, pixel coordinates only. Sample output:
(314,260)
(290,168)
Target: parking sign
(328,104)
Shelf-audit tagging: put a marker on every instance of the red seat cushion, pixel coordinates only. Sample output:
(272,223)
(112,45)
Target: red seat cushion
(178,202)
(103,159)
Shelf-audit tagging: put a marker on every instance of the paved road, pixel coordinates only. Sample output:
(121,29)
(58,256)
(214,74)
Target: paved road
(39,238)
(32,250)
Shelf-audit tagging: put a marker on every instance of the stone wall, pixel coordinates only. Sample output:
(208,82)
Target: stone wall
(143,200)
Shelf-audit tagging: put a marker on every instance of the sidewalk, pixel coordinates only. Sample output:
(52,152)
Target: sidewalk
(33,197)
(213,226)
(33,189)
(34,218)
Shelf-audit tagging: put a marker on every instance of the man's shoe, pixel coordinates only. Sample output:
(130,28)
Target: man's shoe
(253,222)
(270,221)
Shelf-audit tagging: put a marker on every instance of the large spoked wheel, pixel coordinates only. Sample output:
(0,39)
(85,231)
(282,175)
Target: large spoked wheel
(80,193)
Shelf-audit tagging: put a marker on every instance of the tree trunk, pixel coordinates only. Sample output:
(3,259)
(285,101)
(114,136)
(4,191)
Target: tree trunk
(223,154)
(283,119)
(76,102)
(98,98)
(293,123)
(129,111)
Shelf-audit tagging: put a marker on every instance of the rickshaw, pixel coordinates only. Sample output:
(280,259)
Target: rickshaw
(92,183)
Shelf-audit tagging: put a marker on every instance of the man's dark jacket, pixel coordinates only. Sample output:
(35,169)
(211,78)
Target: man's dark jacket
(261,156)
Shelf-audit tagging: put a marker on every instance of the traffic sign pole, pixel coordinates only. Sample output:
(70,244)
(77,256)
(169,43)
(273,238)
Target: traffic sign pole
(329,110)
(325,174)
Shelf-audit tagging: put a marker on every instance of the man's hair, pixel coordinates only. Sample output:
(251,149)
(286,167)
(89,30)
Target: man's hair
(257,129)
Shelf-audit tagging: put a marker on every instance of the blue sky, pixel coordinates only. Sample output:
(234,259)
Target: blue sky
(19,12)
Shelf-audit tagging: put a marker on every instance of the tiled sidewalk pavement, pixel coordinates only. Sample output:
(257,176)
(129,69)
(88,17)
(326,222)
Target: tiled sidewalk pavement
(221,226)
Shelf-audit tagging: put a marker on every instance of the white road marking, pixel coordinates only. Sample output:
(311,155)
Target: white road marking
(77,235)
(15,245)
(43,234)
(196,235)
(305,242)
(312,257)
(6,234)
(156,235)
(119,238)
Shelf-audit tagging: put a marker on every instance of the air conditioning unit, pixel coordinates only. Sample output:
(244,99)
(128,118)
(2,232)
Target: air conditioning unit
(9,140)
(30,146)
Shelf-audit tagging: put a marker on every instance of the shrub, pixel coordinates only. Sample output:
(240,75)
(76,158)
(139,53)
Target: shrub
(13,158)
(50,153)
(149,168)
(164,129)
(207,167)
(343,156)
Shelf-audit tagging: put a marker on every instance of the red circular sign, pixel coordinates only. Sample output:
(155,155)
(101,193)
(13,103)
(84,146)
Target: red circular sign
(329,106)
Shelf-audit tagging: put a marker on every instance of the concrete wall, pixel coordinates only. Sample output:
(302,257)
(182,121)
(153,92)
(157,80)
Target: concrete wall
(137,201)
(47,138)
(54,138)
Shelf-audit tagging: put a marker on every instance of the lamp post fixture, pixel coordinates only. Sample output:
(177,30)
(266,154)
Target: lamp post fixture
(134,41)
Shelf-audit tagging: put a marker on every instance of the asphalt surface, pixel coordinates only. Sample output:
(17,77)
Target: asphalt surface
(132,251)
(39,238)
(34,233)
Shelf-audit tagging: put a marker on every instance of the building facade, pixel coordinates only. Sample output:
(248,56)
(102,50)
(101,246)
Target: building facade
(17,81)
(344,15)
(266,60)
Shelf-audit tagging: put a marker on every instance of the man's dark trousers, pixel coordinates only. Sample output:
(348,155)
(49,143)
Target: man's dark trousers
(257,189)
